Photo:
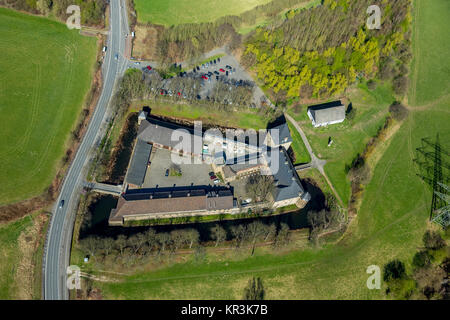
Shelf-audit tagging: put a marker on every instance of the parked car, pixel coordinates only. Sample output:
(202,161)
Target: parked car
(149,68)
(213,177)
(221,70)
(104,48)
(167,173)
(216,181)
(116,56)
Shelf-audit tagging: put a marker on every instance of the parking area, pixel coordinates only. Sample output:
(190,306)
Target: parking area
(191,174)
(225,69)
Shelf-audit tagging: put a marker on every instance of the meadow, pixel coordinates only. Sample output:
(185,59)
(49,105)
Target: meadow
(351,136)
(9,235)
(390,223)
(174,12)
(46,73)
(209,116)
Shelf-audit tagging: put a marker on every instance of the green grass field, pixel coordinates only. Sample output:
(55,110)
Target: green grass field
(9,235)
(264,20)
(390,223)
(46,73)
(174,12)
(299,148)
(243,119)
(350,137)
(430,77)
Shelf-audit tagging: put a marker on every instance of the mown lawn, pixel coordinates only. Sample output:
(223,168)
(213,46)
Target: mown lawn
(300,151)
(431,72)
(46,73)
(174,12)
(239,119)
(390,224)
(351,136)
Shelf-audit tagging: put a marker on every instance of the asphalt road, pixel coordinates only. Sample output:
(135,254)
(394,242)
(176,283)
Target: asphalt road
(59,237)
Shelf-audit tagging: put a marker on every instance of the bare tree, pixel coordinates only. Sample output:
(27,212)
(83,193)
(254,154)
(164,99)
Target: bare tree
(137,241)
(255,231)
(192,237)
(270,231)
(260,187)
(163,240)
(121,243)
(108,245)
(91,245)
(283,236)
(218,234)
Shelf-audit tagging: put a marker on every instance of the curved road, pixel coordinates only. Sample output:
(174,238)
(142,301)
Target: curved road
(59,237)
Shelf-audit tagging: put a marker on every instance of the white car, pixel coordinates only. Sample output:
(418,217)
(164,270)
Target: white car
(216,181)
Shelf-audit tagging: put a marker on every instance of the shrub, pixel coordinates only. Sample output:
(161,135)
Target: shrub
(432,240)
(421,259)
(398,111)
(371,84)
(400,85)
(254,290)
(394,270)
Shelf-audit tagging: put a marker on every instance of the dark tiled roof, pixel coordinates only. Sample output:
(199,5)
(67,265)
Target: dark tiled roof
(287,183)
(171,201)
(284,135)
(139,161)
(327,112)
(160,132)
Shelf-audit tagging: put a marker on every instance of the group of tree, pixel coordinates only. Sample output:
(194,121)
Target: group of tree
(92,11)
(142,246)
(322,220)
(138,85)
(148,244)
(429,276)
(187,42)
(321,51)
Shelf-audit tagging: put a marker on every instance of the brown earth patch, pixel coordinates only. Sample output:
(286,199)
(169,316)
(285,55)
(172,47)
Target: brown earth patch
(145,42)
(28,243)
